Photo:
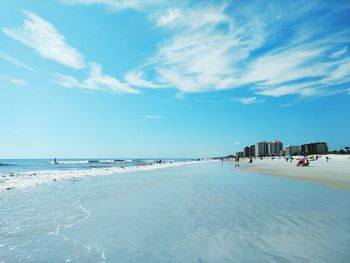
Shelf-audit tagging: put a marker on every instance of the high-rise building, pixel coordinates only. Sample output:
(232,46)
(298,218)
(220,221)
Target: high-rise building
(274,148)
(252,150)
(247,152)
(261,149)
(268,148)
(314,148)
(292,150)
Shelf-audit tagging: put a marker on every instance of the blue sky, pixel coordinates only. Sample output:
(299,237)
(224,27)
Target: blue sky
(108,78)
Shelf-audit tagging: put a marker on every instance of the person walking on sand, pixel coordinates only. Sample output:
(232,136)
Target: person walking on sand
(237,160)
(327,158)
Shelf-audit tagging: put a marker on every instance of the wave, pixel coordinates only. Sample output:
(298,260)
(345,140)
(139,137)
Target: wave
(123,161)
(7,164)
(21,180)
(89,161)
(70,162)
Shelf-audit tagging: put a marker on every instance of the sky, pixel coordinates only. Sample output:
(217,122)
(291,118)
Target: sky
(143,79)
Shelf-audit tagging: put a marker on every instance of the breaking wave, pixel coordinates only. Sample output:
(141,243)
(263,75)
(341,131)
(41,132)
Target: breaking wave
(19,180)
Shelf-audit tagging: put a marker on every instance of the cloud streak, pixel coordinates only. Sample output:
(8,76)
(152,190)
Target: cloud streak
(46,40)
(136,78)
(219,47)
(96,80)
(249,100)
(15,61)
(117,4)
(14,81)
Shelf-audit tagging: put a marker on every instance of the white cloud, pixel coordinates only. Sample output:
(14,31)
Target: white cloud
(237,143)
(339,53)
(264,47)
(211,50)
(341,74)
(285,66)
(135,78)
(15,81)
(46,40)
(249,100)
(11,59)
(118,4)
(153,117)
(198,57)
(168,17)
(96,81)
(69,82)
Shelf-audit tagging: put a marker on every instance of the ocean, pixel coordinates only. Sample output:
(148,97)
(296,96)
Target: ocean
(183,211)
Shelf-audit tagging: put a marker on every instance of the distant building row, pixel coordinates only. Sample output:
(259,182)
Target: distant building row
(307,149)
(275,148)
(262,149)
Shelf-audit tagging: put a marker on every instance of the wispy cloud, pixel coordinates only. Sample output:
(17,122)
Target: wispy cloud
(153,117)
(13,60)
(197,57)
(135,78)
(237,143)
(15,81)
(117,4)
(96,80)
(250,100)
(271,48)
(168,16)
(46,40)
(216,47)
(339,53)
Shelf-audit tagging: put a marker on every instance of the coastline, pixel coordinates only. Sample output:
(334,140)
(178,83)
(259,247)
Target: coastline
(334,173)
(20,180)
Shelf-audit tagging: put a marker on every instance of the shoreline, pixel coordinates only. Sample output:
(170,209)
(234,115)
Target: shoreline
(335,173)
(21,180)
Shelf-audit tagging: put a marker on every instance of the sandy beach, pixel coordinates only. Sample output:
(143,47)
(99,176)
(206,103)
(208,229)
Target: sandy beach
(334,173)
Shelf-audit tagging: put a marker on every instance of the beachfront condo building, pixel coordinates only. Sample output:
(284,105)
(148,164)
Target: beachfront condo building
(314,148)
(240,154)
(268,148)
(246,151)
(261,149)
(292,150)
(249,151)
(274,148)
(252,150)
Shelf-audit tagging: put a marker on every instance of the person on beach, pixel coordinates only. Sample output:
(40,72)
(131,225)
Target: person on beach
(306,163)
(301,161)
(327,158)
(237,161)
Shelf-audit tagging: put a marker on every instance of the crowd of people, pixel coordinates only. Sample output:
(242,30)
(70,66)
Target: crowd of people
(302,161)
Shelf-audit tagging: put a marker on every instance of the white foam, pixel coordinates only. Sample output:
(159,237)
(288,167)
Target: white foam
(69,225)
(28,179)
(106,161)
(71,162)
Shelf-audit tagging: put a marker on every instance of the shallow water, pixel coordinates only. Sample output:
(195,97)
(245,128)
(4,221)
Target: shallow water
(195,213)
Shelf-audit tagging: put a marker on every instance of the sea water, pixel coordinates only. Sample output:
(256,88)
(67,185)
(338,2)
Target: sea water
(199,212)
